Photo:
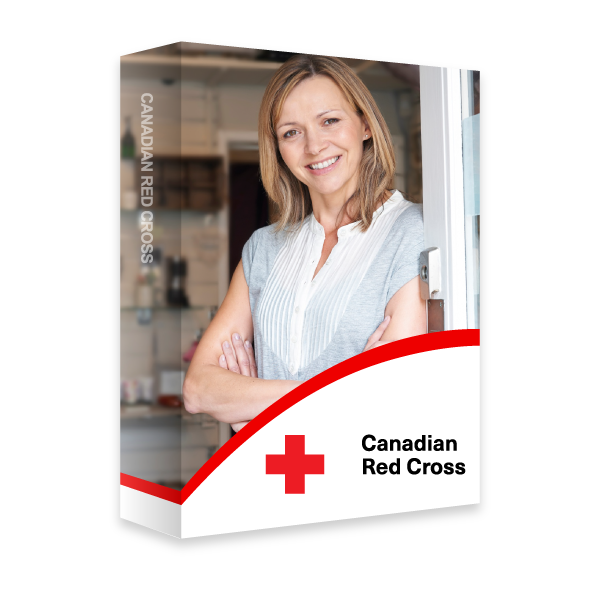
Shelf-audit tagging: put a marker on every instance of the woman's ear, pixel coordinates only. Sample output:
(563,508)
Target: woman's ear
(367,133)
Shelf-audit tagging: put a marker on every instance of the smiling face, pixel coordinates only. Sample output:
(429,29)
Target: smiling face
(320,138)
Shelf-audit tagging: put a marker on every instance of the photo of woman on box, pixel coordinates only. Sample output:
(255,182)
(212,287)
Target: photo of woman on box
(337,274)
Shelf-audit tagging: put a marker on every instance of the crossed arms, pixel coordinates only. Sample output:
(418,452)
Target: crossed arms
(222,378)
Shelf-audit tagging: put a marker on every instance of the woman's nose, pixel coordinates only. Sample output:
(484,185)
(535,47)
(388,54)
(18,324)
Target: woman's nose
(315,142)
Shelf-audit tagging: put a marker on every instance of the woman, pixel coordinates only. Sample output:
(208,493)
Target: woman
(338,273)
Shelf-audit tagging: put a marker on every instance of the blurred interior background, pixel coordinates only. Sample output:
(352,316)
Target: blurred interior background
(207,200)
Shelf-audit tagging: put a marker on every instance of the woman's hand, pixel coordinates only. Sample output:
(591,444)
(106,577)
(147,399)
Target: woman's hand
(239,357)
(237,426)
(373,341)
(209,386)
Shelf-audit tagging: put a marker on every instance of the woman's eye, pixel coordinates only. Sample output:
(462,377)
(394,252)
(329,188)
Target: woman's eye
(288,134)
(332,119)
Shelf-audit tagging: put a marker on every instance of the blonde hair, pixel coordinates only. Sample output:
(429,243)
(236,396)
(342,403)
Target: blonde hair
(378,164)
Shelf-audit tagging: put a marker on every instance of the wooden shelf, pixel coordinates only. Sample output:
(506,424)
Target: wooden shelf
(144,410)
(166,308)
(149,411)
(186,183)
(210,69)
(219,70)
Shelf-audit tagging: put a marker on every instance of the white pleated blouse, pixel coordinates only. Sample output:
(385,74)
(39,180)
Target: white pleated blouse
(303,325)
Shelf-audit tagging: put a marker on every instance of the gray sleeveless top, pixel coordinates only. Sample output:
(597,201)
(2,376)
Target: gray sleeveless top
(302,325)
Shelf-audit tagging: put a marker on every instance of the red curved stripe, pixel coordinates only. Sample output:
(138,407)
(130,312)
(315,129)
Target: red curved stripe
(154,489)
(413,345)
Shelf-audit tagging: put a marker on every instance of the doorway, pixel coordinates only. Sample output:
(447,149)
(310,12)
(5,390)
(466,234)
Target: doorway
(248,202)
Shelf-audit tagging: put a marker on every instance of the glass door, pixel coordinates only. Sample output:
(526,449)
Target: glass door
(470,133)
(450,152)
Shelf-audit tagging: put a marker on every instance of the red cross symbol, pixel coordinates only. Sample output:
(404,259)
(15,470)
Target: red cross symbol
(294,464)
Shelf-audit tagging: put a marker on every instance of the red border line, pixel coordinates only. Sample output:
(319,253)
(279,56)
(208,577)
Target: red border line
(414,345)
(154,489)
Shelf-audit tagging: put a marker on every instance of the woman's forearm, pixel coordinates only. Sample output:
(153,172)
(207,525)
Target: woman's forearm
(230,397)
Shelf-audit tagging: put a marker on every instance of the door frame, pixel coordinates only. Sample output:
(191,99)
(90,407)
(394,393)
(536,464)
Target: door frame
(225,140)
(443,191)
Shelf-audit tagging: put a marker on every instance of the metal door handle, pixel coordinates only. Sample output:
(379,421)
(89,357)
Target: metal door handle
(430,273)
(430,283)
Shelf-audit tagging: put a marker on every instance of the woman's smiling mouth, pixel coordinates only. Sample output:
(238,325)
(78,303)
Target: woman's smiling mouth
(320,168)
